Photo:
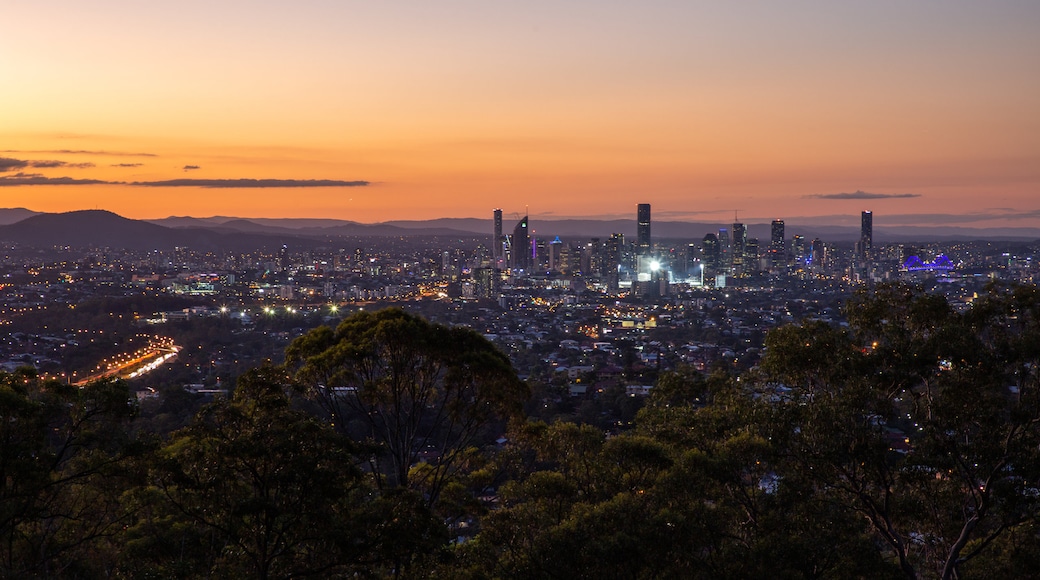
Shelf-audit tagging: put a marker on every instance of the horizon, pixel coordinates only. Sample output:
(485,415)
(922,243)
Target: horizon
(842,227)
(417,111)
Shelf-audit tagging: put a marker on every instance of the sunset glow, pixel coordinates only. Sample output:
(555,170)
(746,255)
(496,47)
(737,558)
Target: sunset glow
(928,109)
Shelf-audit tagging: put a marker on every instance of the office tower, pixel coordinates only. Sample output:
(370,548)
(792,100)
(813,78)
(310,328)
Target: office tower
(555,248)
(776,242)
(798,249)
(818,254)
(693,259)
(643,229)
(739,247)
(751,255)
(612,262)
(866,234)
(484,282)
(725,251)
(521,246)
(496,244)
(777,250)
(710,252)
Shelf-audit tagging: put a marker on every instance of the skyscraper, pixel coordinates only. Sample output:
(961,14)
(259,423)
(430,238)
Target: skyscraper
(725,251)
(496,244)
(866,234)
(739,246)
(643,229)
(612,265)
(521,246)
(777,250)
(555,254)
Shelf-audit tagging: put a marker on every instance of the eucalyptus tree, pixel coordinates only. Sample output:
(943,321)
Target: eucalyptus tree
(422,394)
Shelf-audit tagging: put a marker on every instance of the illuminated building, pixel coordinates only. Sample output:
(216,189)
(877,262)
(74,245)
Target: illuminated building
(739,247)
(777,250)
(521,246)
(497,251)
(555,247)
(866,234)
(643,229)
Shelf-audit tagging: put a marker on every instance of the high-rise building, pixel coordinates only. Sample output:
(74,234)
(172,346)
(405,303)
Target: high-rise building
(725,250)
(777,250)
(866,233)
(496,245)
(751,255)
(739,247)
(710,252)
(484,282)
(643,229)
(555,248)
(798,249)
(612,262)
(521,246)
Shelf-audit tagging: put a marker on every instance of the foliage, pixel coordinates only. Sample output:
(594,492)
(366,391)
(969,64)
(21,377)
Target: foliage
(252,488)
(424,393)
(62,456)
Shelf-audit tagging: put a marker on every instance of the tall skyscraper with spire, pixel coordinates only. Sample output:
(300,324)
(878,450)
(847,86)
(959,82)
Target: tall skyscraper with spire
(643,243)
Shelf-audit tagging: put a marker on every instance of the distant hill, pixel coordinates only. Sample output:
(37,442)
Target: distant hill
(86,228)
(99,228)
(13,215)
(310,227)
(102,228)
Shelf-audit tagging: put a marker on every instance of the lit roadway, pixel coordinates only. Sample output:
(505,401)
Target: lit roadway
(130,366)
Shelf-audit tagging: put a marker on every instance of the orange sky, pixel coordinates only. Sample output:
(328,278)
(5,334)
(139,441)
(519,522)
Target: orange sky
(450,109)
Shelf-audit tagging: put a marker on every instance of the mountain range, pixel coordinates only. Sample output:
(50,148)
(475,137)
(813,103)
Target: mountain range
(101,228)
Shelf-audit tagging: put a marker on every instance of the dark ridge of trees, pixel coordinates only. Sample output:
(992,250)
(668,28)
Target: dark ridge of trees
(905,445)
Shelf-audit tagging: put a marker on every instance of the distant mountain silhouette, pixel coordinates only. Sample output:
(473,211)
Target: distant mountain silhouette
(14,215)
(311,227)
(99,228)
(102,228)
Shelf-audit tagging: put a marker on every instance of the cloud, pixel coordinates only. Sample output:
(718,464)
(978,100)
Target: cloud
(250,183)
(22,178)
(8,164)
(190,167)
(860,194)
(81,152)
(127,164)
(52,164)
(39,179)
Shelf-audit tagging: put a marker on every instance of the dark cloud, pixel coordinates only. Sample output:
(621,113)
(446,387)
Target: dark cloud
(250,183)
(39,179)
(8,164)
(53,163)
(190,167)
(21,178)
(859,194)
(47,164)
(127,164)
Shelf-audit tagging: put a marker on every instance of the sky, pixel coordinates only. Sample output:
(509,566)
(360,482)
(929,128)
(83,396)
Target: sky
(925,112)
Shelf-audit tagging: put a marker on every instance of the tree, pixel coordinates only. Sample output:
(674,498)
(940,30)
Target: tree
(62,454)
(253,488)
(423,393)
(923,420)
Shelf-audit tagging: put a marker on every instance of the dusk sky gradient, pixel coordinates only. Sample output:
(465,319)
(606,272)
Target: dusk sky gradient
(582,108)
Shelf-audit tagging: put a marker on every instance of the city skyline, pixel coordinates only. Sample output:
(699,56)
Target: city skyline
(923,112)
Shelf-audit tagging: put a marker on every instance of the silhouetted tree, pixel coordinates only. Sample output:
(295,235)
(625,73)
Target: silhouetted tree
(425,393)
